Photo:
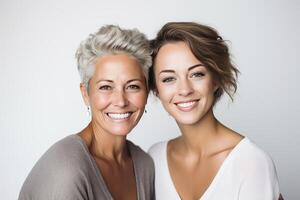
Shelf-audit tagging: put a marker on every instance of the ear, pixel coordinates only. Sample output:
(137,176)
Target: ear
(85,94)
(215,86)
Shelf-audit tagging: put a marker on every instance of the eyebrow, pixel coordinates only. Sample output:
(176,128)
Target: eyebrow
(189,69)
(134,80)
(194,66)
(111,81)
(104,80)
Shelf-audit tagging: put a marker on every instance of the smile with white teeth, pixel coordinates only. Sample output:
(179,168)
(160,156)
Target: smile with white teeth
(119,116)
(186,104)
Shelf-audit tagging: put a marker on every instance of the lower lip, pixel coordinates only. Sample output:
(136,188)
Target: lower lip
(189,108)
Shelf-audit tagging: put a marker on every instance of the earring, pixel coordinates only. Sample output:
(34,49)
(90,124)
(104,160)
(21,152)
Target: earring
(145,111)
(89,110)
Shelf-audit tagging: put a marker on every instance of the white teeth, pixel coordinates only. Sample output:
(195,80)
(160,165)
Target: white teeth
(119,115)
(186,104)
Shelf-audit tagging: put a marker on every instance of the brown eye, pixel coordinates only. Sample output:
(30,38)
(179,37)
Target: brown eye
(105,87)
(133,87)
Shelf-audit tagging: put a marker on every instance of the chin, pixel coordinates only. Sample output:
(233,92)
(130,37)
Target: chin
(120,131)
(187,121)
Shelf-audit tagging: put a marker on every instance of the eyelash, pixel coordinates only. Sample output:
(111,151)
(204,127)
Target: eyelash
(197,74)
(105,87)
(133,87)
(193,75)
(168,79)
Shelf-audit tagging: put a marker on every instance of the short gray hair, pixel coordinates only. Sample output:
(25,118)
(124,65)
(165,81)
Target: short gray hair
(110,40)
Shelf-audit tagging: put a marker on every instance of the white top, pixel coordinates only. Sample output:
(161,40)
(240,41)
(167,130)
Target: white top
(247,173)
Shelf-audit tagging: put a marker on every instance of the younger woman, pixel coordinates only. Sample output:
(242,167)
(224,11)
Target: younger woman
(209,161)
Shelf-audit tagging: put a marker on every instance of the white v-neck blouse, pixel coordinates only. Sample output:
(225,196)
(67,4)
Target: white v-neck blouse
(247,173)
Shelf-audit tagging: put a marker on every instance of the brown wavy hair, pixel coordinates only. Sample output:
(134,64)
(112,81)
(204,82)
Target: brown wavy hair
(207,46)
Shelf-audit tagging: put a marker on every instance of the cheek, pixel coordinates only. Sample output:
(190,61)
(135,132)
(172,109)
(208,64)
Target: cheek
(138,99)
(99,100)
(206,88)
(166,92)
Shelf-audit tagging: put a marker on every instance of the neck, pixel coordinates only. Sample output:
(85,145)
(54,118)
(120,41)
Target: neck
(198,138)
(104,145)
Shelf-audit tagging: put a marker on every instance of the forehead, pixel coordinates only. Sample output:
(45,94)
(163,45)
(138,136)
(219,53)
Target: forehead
(175,54)
(118,66)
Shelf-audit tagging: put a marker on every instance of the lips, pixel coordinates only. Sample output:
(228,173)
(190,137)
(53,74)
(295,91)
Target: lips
(119,116)
(186,105)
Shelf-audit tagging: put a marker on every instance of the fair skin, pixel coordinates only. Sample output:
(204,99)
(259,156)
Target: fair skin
(186,89)
(117,96)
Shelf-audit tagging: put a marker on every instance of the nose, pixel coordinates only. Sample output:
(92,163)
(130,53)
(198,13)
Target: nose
(185,88)
(119,99)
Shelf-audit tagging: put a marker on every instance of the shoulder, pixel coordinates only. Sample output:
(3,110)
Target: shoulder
(257,172)
(257,157)
(60,169)
(68,152)
(253,163)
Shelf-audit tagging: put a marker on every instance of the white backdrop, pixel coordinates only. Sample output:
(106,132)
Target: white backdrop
(40,100)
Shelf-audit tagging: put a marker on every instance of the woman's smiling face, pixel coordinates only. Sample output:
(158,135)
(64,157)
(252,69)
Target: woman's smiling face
(184,85)
(117,93)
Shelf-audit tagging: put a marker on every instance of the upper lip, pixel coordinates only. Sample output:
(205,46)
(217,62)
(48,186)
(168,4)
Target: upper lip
(186,101)
(121,112)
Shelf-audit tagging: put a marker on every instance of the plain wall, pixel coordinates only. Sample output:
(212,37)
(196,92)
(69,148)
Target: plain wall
(40,100)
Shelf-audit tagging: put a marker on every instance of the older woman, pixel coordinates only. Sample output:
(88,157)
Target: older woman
(209,161)
(98,162)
